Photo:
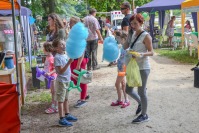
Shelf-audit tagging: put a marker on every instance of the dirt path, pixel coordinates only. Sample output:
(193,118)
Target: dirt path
(173,104)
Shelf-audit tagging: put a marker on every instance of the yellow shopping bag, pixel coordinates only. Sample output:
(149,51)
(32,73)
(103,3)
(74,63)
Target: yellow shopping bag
(133,74)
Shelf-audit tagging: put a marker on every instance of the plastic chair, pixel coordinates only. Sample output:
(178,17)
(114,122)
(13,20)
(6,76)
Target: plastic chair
(178,30)
(194,44)
(177,39)
(188,40)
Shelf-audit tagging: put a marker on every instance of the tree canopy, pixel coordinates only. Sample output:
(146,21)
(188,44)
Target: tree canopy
(68,8)
(74,7)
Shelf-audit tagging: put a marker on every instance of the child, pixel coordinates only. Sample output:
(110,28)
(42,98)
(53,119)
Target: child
(50,70)
(121,37)
(78,64)
(188,27)
(62,67)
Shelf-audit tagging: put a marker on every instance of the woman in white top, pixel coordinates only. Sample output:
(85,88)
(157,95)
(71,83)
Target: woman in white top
(143,46)
(170,30)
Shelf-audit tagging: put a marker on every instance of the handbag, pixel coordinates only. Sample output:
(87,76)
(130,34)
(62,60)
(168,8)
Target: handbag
(87,77)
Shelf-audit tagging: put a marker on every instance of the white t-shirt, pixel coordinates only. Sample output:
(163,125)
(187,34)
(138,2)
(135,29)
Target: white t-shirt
(143,62)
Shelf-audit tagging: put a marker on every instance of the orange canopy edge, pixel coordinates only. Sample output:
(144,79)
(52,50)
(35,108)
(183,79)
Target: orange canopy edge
(6,5)
(190,3)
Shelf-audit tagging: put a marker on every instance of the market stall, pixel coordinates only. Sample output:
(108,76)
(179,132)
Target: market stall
(25,32)
(191,6)
(159,6)
(10,93)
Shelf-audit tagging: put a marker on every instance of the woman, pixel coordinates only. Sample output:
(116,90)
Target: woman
(78,64)
(170,30)
(56,31)
(143,46)
(188,27)
(56,28)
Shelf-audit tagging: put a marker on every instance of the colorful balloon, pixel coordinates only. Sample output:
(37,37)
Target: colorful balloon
(72,85)
(146,16)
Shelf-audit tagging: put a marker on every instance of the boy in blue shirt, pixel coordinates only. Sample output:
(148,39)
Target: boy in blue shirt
(62,67)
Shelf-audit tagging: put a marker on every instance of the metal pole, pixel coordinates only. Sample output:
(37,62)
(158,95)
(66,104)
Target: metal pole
(16,54)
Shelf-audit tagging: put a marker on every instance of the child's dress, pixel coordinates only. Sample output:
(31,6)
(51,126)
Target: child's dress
(49,65)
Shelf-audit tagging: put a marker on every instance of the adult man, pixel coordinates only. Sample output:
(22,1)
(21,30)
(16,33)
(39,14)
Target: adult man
(125,9)
(92,41)
(101,23)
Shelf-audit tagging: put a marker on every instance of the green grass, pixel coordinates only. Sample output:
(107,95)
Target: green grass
(41,97)
(27,66)
(181,55)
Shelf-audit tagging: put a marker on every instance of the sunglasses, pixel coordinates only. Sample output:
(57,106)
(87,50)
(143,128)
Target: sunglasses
(123,8)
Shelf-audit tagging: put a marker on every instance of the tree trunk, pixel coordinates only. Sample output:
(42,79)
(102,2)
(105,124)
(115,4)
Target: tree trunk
(133,5)
(51,6)
(45,6)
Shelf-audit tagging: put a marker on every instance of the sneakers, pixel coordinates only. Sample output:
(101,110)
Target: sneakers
(96,68)
(87,97)
(139,109)
(71,118)
(117,103)
(65,123)
(125,104)
(141,118)
(80,103)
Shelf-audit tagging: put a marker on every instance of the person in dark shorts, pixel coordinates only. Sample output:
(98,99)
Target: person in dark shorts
(125,9)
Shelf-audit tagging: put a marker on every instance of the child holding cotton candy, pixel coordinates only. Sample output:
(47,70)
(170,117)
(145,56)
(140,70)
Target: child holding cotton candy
(120,83)
(50,70)
(79,63)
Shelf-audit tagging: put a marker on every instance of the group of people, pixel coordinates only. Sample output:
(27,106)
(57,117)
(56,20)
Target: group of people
(140,41)
(170,29)
(57,64)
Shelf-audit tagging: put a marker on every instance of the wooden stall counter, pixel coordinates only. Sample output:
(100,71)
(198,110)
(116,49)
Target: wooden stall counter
(7,76)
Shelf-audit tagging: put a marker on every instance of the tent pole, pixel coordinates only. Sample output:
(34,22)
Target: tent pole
(21,30)
(182,25)
(16,54)
(198,32)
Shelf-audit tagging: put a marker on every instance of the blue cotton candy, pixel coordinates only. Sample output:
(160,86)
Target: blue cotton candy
(76,42)
(110,49)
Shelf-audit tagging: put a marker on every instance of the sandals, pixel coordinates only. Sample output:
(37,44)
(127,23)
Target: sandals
(125,104)
(51,110)
(117,103)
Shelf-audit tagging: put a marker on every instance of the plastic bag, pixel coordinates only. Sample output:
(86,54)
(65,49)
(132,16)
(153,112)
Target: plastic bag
(133,76)
(127,58)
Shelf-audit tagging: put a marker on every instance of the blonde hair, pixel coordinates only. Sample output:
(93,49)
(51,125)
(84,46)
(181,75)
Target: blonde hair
(121,33)
(75,19)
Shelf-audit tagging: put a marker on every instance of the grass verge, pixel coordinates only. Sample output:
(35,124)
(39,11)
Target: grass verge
(181,55)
